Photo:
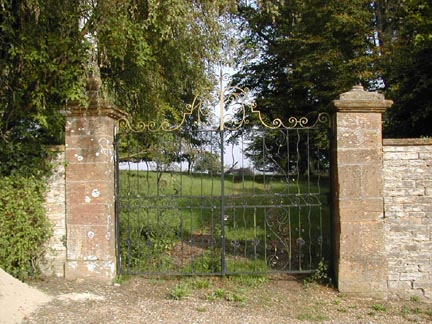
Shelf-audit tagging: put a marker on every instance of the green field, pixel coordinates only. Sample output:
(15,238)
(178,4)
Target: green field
(176,222)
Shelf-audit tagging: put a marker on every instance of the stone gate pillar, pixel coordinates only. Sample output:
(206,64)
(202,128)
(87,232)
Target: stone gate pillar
(360,261)
(90,194)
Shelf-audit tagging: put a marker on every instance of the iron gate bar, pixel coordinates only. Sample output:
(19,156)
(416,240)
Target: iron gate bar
(117,203)
(227,206)
(222,216)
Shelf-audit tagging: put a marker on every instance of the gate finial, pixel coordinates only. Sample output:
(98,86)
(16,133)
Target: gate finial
(221,100)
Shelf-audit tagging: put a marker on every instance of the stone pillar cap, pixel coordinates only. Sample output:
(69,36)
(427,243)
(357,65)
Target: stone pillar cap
(359,100)
(96,107)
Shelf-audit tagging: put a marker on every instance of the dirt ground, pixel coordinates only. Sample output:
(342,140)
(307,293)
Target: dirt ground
(236,300)
(18,299)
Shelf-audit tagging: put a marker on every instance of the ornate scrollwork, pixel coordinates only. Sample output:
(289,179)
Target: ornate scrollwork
(280,253)
(224,108)
(293,122)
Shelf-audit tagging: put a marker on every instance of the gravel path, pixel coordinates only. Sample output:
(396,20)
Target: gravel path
(241,300)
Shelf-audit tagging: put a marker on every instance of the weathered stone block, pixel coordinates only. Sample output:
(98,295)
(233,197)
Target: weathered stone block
(361,209)
(372,185)
(96,214)
(93,243)
(413,276)
(370,288)
(425,155)
(359,120)
(94,270)
(349,181)
(401,155)
(363,270)
(90,192)
(399,285)
(357,155)
(89,125)
(359,239)
(89,171)
(358,139)
(89,155)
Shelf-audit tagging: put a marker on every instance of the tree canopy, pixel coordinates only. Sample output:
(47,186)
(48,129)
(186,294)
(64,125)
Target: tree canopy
(41,61)
(151,55)
(301,56)
(298,55)
(406,47)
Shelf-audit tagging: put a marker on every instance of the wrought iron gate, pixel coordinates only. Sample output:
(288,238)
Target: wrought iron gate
(218,194)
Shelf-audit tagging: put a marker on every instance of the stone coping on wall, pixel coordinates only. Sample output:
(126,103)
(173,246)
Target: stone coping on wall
(407,141)
(97,108)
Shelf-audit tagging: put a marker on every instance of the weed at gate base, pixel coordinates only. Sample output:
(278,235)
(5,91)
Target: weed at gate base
(201,283)
(319,276)
(179,292)
(251,281)
(221,293)
(120,279)
(379,308)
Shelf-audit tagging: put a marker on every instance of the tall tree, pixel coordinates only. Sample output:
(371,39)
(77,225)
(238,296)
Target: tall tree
(407,68)
(42,58)
(154,55)
(151,56)
(302,55)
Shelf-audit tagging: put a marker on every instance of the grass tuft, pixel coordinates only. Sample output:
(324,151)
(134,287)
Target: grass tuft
(180,291)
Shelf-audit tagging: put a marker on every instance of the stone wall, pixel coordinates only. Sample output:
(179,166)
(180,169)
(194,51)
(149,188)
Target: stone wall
(55,211)
(408,216)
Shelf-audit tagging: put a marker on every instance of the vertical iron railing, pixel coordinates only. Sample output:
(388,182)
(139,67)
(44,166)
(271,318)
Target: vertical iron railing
(118,205)
(222,216)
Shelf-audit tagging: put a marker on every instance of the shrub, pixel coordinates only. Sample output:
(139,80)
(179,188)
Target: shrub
(24,228)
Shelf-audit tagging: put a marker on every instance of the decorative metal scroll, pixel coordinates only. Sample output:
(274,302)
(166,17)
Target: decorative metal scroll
(224,108)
